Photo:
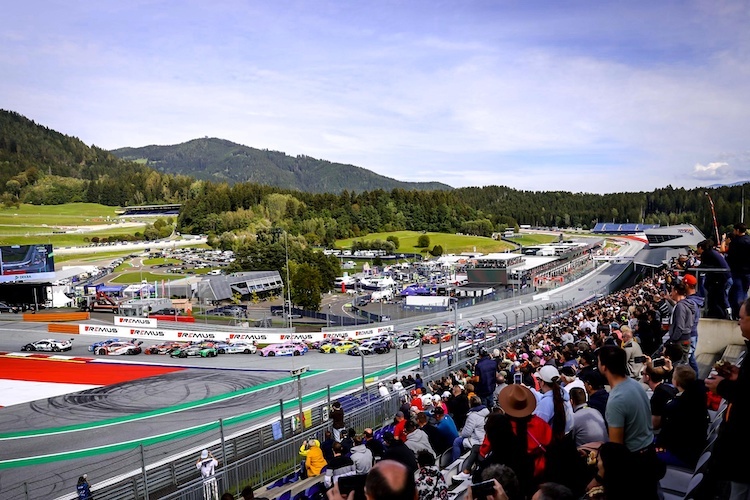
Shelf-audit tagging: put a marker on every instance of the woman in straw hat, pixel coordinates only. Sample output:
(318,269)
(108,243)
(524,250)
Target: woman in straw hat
(516,438)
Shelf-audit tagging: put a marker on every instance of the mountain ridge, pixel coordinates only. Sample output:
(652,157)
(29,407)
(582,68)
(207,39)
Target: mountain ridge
(221,160)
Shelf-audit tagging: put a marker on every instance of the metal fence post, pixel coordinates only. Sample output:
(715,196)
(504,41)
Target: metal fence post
(223,443)
(281,415)
(143,467)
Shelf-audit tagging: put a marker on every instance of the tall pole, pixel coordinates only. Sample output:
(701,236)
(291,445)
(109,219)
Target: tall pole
(288,282)
(713,214)
(362,359)
(299,396)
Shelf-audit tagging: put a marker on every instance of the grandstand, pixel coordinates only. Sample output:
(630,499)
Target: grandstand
(150,210)
(620,228)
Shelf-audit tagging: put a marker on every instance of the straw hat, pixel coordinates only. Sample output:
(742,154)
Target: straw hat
(517,400)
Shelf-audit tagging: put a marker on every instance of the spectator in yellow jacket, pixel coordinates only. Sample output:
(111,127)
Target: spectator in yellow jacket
(313,461)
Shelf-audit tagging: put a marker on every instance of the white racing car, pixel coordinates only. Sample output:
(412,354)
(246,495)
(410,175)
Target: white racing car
(49,345)
(238,347)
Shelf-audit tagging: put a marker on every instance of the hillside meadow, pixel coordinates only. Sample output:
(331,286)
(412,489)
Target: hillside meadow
(451,243)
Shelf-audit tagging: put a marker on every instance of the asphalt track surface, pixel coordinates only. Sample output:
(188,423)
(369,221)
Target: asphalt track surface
(228,387)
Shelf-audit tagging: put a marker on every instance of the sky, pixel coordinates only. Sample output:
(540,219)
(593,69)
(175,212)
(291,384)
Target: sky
(581,96)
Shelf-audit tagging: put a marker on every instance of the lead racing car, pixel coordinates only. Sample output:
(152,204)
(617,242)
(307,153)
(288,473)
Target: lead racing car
(49,345)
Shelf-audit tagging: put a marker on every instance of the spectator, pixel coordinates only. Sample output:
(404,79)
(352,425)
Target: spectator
(313,460)
(516,437)
(372,444)
(207,466)
(446,430)
(734,434)
(248,494)
(227,496)
(472,432)
(564,463)
(389,480)
(337,420)
(347,440)
(416,439)
(738,258)
(83,490)
(553,491)
(696,302)
(588,423)
(433,435)
(506,478)
(661,392)
(458,406)
(634,353)
(685,423)
(384,392)
(486,373)
(428,479)
(569,379)
(396,450)
(616,477)
(361,456)
(340,466)
(628,416)
(399,423)
(681,324)
(327,445)
(594,383)
(715,280)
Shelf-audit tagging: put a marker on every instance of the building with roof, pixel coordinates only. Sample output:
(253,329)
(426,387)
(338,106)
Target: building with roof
(621,228)
(218,288)
(667,243)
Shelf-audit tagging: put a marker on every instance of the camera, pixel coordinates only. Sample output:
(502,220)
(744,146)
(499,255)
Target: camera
(483,490)
(639,359)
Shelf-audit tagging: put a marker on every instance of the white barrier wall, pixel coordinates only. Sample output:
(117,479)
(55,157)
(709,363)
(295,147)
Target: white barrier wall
(140,331)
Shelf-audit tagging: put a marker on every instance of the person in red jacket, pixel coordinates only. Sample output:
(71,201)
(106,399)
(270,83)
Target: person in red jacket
(399,428)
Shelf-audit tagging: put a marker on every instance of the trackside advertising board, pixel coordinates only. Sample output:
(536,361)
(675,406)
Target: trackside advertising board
(136,321)
(25,262)
(144,332)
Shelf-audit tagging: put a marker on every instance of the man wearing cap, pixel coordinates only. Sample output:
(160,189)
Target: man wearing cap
(383,391)
(207,465)
(696,302)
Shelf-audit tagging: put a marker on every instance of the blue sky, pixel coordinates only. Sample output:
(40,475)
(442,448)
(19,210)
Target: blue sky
(581,96)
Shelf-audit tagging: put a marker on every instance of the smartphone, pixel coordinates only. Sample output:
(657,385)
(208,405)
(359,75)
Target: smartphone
(355,483)
(657,362)
(518,378)
(483,490)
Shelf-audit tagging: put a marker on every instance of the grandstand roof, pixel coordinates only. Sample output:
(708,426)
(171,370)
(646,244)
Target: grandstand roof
(620,228)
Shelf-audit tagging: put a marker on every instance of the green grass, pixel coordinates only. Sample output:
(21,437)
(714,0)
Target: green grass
(528,240)
(451,243)
(70,214)
(160,260)
(137,276)
(68,239)
(91,257)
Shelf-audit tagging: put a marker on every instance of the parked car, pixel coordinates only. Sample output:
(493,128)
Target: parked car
(167,311)
(287,349)
(238,347)
(6,308)
(49,345)
(119,348)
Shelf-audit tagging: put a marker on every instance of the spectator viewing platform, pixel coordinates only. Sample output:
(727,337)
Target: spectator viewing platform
(150,210)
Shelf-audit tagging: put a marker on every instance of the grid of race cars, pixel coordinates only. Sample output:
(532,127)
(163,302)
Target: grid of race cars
(379,344)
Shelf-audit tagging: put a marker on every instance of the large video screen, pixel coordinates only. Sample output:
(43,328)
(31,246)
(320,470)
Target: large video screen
(22,262)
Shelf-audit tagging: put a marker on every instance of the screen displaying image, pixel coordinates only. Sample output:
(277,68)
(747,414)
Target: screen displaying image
(26,259)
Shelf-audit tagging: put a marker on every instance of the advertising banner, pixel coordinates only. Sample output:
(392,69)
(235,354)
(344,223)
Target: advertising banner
(136,321)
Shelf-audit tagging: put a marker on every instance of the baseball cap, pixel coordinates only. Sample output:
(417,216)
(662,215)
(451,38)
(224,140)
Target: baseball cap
(689,280)
(548,373)
(204,454)
(446,394)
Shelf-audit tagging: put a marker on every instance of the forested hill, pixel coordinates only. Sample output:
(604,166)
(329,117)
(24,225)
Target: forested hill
(219,160)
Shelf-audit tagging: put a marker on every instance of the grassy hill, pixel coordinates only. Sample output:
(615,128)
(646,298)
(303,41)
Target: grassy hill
(224,161)
(451,243)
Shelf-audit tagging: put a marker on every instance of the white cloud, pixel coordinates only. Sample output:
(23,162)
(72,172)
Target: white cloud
(712,171)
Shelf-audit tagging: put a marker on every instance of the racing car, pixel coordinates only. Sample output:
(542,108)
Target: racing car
(288,349)
(164,347)
(49,345)
(195,350)
(93,347)
(238,347)
(119,348)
